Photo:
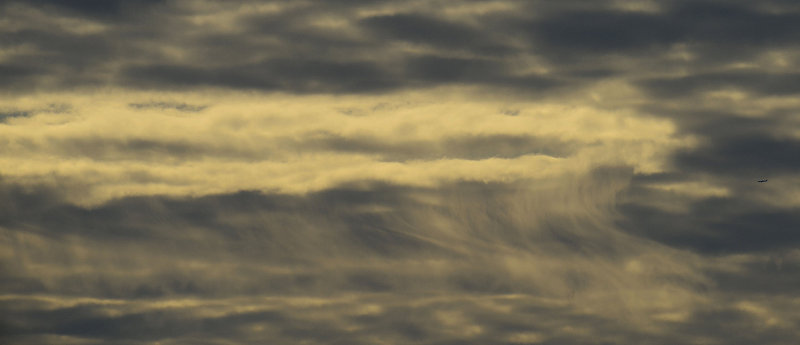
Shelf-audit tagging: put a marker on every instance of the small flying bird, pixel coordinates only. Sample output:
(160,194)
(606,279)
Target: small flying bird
(762,181)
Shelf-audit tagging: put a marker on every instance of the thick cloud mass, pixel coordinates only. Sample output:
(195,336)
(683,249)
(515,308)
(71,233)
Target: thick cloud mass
(395,172)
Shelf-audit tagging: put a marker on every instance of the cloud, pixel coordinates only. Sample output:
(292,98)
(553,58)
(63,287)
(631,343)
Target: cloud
(106,10)
(460,147)
(760,275)
(17,75)
(598,32)
(295,75)
(421,29)
(460,172)
(183,107)
(717,226)
(755,82)
(11,113)
(307,49)
(308,144)
(14,113)
(743,156)
(711,32)
(440,262)
(469,71)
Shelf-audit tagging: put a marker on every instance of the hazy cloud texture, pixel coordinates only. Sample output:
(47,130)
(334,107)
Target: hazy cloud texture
(395,172)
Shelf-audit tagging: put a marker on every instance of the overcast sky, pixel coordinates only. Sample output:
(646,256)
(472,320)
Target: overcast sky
(399,172)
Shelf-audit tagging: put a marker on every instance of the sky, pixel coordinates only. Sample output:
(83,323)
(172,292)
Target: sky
(399,172)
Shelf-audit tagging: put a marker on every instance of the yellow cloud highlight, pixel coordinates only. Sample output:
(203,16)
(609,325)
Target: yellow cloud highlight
(131,143)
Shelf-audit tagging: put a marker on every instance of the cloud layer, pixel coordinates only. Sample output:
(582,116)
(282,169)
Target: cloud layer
(348,172)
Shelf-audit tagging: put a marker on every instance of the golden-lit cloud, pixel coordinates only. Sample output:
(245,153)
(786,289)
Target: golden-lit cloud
(123,144)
